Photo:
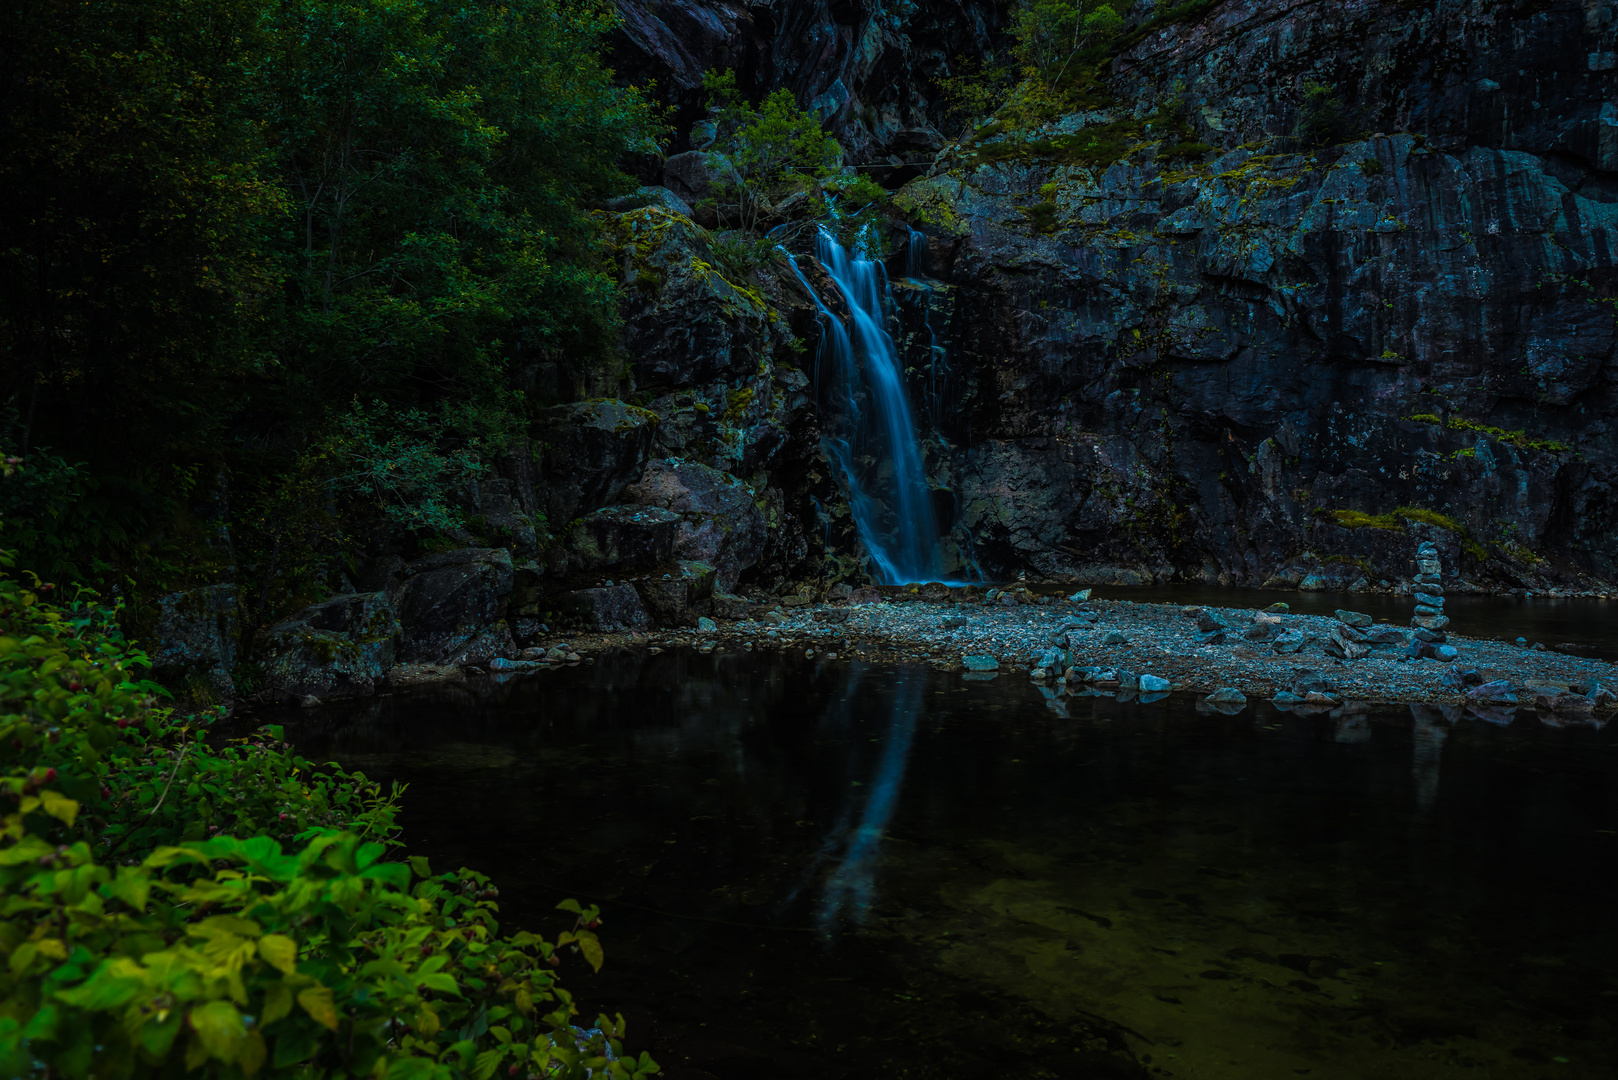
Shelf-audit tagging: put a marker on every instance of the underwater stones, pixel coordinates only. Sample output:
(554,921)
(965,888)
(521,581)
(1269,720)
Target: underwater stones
(197,633)
(1353,618)
(980,663)
(339,648)
(599,608)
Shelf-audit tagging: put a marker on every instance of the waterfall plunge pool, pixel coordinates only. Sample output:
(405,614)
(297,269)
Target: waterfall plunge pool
(828,869)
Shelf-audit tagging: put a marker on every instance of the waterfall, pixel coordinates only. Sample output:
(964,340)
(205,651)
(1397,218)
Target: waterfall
(871,436)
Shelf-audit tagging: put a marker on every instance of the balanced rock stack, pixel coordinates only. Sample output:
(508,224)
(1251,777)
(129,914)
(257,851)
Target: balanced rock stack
(1430,620)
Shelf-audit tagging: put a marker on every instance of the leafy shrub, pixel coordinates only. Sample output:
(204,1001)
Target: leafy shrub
(233,955)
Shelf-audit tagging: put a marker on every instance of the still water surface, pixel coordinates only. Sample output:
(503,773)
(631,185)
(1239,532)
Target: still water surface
(824,869)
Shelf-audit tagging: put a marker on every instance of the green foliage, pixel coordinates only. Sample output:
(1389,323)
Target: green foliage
(126,954)
(1051,34)
(1320,116)
(763,155)
(234,214)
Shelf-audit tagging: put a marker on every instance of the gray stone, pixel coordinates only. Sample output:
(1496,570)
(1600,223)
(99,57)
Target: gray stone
(1445,653)
(1305,683)
(680,596)
(1360,585)
(1211,620)
(1228,695)
(1353,618)
(1430,601)
(730,606)
(339,648)
(707,626)
(599,608)
(660,197)
(1154,684)
(590,451)
(1115,637)
(1290,641)
(626,537)
(1601,696)
(197,634)
(980,663)
(449,598)
(722,527)
(1428,611)
(1430,622)
(1386,635)
(1314,583)
(1498,692)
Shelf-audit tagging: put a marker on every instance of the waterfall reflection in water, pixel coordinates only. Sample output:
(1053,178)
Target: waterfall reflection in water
(1401,892)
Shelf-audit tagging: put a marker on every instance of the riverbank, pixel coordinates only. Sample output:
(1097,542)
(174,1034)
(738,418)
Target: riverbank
(1096,645)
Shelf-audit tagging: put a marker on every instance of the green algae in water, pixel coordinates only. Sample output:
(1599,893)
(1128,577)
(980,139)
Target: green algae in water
(827,869)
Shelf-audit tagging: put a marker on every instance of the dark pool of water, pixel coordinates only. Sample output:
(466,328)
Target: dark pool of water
(823,869)
(1589,626)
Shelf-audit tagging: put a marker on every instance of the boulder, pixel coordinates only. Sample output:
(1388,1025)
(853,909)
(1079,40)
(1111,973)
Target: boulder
(492,642)
(605,607)
(660,197)
(722,525)
(504,519)
(1353,618)
(1290,641)
(729,606)
(1498,692)
(1314,583)
(1154,684)
(980,663)
(592,449)
(630,537)
(197,634)
(449,599)
(933,592)
(1211,621)
(339,648)
(681,595)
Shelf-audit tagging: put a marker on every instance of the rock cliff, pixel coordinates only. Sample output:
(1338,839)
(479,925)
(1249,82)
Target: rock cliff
(1219,350)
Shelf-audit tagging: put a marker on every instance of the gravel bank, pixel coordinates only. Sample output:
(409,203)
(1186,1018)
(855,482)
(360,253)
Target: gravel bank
(1156,639)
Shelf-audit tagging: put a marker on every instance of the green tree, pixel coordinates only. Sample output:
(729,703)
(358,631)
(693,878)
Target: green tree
(134,268)
(1051,34)
(763,155)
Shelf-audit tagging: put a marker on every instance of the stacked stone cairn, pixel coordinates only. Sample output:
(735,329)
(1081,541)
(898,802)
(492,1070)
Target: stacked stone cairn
(1429,621)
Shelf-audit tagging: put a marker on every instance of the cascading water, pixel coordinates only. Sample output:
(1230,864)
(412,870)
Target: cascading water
(871,435)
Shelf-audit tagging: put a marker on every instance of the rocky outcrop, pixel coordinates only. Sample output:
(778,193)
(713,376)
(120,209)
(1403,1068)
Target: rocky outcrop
(588,451)
(449,600)
(719,523)
(197,636)
(338,648)
(681,596)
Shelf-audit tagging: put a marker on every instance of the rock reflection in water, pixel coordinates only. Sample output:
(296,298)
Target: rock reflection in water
(839,870)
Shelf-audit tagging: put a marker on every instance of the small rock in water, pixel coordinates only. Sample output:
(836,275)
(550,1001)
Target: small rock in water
(1079,597)
(1153,684)
(1523,642)
(706,625)
(1228,695)
(1539,646)
(1114,637)
(1353,618)
(1498,692)
(980,663)
(1279,607)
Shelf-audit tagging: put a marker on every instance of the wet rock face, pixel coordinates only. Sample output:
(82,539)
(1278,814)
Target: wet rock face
(719,523)
(1201,364)
(593,448)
